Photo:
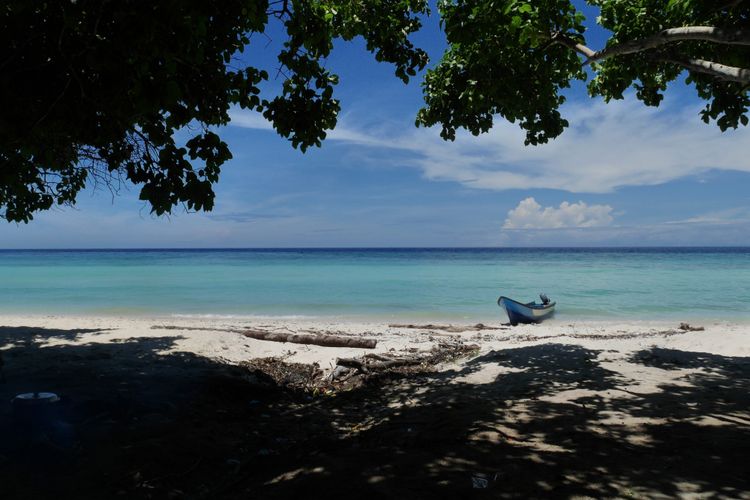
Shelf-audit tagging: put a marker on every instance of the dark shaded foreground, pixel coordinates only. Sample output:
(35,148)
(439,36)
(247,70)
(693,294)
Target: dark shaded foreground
(137,424)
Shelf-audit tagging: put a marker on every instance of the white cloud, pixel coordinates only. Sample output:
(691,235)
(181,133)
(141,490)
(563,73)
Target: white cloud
(249,119)
(728,216)
(622,143)
(660,235)
(530,215)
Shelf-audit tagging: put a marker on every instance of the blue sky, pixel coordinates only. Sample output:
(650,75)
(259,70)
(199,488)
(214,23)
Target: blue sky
(622,175)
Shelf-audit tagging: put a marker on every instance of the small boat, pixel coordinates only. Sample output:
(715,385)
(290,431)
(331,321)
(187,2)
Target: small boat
(530,312)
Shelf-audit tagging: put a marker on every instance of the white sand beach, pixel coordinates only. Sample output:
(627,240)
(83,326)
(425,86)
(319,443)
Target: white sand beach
(721,338)
(577,409)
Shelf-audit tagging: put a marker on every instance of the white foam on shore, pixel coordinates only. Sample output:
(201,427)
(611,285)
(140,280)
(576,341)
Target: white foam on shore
(248,317)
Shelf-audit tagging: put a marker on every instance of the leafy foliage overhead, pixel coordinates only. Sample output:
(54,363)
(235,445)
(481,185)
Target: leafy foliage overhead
(512,58)
(94,90)
(98,91)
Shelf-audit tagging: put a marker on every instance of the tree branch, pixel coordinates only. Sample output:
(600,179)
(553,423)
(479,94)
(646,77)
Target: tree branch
(701,33)
(52,106)
(284,10)
(563,39)
(729,73)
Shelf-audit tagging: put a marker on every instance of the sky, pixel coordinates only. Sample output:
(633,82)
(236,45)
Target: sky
(622,175)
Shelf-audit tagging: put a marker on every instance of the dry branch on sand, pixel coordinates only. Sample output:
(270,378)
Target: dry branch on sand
(681,330)
(687,327)
(449,328)
(376,362)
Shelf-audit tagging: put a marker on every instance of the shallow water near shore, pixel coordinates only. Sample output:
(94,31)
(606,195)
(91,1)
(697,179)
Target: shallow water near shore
(447,284)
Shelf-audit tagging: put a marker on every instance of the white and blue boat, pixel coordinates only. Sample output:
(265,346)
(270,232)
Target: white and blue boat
(530,312)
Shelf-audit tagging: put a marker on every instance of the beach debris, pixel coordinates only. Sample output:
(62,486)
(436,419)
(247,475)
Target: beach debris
(348,372)
(481,481)
(370,362)
(686,327)
(275,371)
(352,372)
(619,335)
(449,328)
(339,372)
(34,405)
(321,339)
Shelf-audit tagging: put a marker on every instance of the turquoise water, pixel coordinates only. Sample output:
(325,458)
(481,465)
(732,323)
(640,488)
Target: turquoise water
(408,283)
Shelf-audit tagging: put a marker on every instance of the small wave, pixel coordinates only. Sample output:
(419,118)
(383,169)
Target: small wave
(243,316)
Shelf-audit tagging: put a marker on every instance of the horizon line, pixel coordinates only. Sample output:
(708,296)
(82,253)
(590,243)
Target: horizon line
(544,247)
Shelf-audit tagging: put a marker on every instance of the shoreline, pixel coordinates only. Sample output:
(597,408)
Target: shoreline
(379,319)
(497,318)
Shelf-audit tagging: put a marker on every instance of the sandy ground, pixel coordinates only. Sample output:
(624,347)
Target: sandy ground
(718,338)
(639,410)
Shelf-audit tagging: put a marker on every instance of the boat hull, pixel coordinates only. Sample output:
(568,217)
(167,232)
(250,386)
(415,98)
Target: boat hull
(519,312)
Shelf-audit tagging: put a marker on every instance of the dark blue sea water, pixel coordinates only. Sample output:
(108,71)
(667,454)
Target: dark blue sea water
(625,283)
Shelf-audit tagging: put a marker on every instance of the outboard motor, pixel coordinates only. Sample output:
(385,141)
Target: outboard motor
(545,299)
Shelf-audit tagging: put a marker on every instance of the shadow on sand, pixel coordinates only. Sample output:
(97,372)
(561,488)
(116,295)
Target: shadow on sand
(549,420)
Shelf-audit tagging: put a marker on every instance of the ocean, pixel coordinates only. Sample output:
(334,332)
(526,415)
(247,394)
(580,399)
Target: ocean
(380,284)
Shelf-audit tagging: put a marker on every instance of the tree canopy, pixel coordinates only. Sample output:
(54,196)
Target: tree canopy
(513,58)
(95,90)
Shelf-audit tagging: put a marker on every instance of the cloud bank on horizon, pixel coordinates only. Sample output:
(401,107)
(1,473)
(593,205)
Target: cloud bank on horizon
(530,215)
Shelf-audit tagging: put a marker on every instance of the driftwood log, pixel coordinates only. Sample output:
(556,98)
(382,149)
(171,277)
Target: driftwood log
(294,338)
(321,340)
(317,339)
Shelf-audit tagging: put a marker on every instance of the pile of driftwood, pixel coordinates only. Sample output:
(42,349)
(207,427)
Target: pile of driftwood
(348,372)
(353,371)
